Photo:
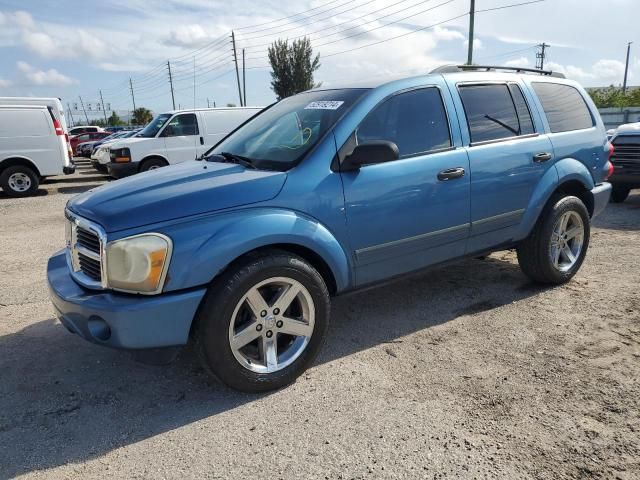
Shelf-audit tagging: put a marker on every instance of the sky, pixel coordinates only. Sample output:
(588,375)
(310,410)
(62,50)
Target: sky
(72,48)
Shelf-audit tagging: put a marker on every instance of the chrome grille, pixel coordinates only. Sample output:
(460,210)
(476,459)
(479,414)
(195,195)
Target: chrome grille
(85,247)
(626,154)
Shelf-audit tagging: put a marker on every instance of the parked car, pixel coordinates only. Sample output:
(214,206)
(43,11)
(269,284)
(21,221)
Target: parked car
(33,145)
(85,129)
(100,155)
(85,149)
(56,108)
(85,137)
(174,137)
(626,161)
(325,192)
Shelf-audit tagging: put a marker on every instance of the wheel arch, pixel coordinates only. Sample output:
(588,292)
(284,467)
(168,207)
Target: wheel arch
(152,156)
(16,160)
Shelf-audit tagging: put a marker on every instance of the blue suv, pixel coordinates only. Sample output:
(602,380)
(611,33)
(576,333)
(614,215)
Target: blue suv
(328,191)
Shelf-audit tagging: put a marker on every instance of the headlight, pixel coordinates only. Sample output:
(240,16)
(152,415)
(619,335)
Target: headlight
(121,155)
(138,264)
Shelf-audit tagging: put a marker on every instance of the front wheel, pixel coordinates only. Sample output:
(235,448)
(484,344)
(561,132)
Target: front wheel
(619,194)
(153,164)
(555,249)
(263,322)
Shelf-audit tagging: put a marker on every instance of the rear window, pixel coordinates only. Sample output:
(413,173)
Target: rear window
(564,107)
(495,111)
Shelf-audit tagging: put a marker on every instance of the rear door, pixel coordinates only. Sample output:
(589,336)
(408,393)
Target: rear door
(404,215)
(181,137)
(508,154)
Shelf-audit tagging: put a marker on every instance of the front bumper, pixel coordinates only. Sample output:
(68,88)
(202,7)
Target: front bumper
(119,320)
(601,194)
(120,170)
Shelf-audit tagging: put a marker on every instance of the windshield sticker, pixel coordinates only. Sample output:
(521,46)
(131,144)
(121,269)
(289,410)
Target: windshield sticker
(324,105)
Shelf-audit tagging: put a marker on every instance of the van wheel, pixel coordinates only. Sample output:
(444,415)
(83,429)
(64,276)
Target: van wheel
(555,249)
(619,194)
(19,181)
(152,164)
(263,322)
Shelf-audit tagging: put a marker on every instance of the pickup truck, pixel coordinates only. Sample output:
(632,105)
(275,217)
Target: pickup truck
(328,191)
(626,161)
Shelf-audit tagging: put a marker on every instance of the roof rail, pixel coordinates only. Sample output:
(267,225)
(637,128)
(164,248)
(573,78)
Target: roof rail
(488,68)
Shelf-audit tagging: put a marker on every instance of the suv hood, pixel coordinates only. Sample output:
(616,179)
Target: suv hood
(126,142)
(173,192)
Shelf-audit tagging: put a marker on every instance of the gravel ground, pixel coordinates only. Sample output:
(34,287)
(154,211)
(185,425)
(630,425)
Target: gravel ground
(468,371)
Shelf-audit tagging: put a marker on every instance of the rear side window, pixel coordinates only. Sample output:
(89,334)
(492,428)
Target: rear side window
(415,121)
(495,112)
(564,107)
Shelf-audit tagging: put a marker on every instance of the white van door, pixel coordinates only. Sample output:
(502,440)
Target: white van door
(181,137)
(28,133)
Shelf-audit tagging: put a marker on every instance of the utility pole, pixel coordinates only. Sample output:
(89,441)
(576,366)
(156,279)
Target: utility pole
(472,17)
(244,81)
(626,69)
(208,106)
(133,99)
(73,123)
(235,59)
(103,110)
(541,55)
(173,100)
(85,112)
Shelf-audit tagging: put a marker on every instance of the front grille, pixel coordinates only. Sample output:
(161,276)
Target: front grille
(626,154)
(85,251)
(88,239)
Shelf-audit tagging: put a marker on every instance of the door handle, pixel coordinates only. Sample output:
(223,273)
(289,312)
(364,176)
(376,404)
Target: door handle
(201,141)
(541,157)
(450,174)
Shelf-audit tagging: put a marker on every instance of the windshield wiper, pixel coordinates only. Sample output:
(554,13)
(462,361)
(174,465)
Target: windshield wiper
(233,158)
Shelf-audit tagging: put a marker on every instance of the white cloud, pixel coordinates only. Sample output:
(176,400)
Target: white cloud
(518,62)
(5,83)
(603,72)
(607,68)
(121,67)
(442,33)
(49,77)
(193,35)
(23,19)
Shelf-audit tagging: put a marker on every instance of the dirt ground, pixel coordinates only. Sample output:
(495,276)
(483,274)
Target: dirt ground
(467,371)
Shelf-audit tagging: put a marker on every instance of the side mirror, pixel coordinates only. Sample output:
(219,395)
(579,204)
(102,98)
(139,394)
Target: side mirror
(368,153)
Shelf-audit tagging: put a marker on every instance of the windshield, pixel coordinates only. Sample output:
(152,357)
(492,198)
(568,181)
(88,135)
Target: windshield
(281,136)
(152,129)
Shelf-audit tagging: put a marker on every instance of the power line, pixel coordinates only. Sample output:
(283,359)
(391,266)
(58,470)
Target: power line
(502,7)
(290,16)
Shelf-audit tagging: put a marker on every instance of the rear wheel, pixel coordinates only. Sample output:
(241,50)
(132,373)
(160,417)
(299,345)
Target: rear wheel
(152,164)
(619,194)
(19,181)
(555,249)
(263,322)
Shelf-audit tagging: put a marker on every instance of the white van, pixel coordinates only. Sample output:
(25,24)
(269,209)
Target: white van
(33,145)
(174,137)
(56,107)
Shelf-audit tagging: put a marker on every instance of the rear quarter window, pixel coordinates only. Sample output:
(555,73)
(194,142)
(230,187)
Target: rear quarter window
(564,107)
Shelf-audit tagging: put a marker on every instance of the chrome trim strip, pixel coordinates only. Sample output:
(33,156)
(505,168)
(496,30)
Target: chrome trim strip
(410,239)
(74,248)
(88,253)
(501,216)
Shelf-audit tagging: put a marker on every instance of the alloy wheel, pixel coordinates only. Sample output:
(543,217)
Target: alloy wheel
(567,239)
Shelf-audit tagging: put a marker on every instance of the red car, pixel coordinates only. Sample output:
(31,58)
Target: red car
(86,137)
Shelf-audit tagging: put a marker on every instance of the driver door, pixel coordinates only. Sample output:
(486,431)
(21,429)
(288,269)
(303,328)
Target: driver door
(404,214)
(181,138)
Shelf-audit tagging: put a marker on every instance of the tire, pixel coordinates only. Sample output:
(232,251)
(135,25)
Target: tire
(102,168)
(19,181)
(536,254)
(226,311)
(619,194)
(152,164)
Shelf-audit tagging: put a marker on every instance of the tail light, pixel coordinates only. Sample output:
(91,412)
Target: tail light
(58,127)
(609,162)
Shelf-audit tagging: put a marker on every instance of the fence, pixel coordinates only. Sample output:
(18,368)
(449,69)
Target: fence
(613,117)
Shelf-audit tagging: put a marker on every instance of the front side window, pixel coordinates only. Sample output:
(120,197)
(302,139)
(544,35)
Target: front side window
(564,107)
(153,127)
(415,121)
(279,137)
(181,125)
(491,113)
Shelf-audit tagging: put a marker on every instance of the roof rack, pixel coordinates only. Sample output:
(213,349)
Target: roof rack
(489,68)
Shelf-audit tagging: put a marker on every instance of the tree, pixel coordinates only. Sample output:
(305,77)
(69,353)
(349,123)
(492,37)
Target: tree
(142,116)
(292,67)
(114,120)
(613,97)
